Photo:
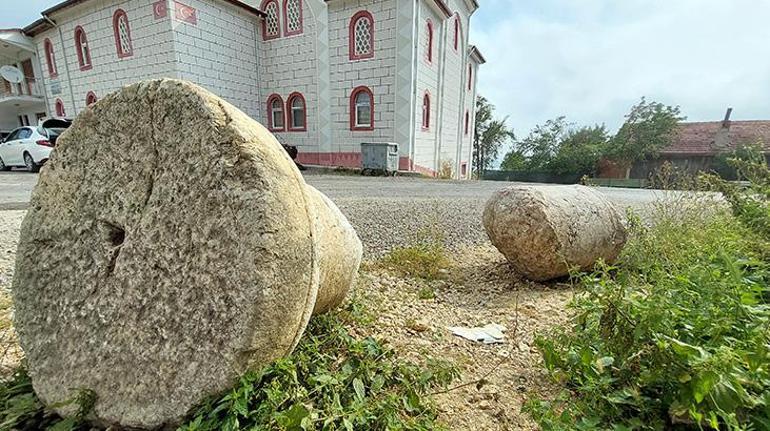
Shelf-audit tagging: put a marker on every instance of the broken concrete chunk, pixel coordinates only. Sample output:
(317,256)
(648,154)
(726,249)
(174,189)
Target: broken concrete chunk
(168,249)
(546,230)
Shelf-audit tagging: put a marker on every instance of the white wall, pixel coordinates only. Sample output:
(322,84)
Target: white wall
(219,52)
(428,78)
(152,47)
(290,64)
(377,73)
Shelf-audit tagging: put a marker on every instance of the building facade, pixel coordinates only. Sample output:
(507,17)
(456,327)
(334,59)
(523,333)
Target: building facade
(325,76)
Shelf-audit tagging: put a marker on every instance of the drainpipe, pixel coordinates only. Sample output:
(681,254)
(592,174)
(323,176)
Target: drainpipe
(66,64)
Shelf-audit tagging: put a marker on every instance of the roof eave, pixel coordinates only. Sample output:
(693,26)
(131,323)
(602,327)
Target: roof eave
(476,55)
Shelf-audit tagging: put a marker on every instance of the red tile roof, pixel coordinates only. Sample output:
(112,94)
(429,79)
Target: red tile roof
(697,139)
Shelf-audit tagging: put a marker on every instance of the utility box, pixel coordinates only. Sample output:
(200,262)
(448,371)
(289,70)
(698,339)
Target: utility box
(379,157)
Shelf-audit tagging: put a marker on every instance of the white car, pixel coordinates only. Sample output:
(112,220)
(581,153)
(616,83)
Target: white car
(30,146)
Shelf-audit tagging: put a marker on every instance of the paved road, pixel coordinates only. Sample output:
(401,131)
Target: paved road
(388,212)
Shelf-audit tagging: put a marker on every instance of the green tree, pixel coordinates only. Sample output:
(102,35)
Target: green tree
(542,143)
(490,134)
(580,151)
(515,160)
(649,127)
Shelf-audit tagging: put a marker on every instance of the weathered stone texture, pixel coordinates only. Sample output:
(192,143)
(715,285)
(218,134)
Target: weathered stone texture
(168,248)
(545,230)
(339,251)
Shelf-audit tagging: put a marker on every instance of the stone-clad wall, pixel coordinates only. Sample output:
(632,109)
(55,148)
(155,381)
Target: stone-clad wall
(153,51)
(219,52)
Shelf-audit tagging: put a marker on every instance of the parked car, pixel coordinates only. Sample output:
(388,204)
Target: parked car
(30,147)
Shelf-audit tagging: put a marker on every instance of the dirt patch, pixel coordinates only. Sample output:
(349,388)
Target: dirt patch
(10,353)
(478,289)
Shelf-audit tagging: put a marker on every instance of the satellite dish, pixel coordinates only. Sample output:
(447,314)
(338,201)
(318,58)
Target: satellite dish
(11,74)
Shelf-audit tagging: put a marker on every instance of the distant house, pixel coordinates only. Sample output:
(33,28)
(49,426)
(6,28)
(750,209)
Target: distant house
(697,145)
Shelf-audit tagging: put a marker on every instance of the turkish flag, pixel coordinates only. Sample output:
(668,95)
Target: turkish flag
(185,13)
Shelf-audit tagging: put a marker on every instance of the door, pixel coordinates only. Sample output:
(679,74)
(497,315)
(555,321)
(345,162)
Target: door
(23,142)
(6,148)
(29,76)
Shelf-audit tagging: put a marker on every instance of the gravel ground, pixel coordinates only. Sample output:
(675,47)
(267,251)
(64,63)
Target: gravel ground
(478,288)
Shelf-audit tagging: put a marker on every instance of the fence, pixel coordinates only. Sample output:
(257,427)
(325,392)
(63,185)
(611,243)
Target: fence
(531,177)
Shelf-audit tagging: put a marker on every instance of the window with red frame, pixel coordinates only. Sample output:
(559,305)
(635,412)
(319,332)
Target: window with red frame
(426,111)
(292,17)
(295,107)
(467,122)
(457,32)
(429,29)
(362,109)
(50,58)
(122,31)
(90,98)
(470,76)
(361,34)
(60,109)
(81,48)
(271,23)
(275,117)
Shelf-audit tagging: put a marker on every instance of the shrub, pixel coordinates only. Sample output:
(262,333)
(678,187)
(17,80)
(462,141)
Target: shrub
(424,260)
(676,336)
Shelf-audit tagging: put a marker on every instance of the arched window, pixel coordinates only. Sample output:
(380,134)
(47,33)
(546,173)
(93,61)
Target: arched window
(50,58)
(457,31)
(470,76)
(271,25)
(292,17)
(122,32)
(361,36)
(275,113)
(60,109)
(430,41)
(467,122)
(361,109)
(295,107)
(426,111)
(90,98)
(81,48)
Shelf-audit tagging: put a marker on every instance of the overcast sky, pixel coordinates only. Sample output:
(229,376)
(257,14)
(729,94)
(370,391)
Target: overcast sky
(592,59)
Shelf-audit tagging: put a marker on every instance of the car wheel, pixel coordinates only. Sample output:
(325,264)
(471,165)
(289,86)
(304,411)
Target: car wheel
(30,163)
(3,167)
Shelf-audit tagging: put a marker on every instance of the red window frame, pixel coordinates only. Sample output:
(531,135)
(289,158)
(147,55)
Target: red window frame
(50,58)
(270,126)
(430,41)
(290,113)
(470,76)
(426,111)
(60,112)
(266,36)
(467,122)
(356,91)
(84,58)
(457,31)
(116,31)
(91,98)
(363,14)
(286,31)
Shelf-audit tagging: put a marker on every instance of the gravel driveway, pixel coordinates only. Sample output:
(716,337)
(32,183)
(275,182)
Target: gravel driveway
(386,212)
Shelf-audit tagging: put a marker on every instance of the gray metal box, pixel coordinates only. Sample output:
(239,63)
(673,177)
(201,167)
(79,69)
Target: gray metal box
(379,156)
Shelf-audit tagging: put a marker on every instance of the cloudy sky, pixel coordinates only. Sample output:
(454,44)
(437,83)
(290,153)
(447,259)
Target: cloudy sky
(592,59)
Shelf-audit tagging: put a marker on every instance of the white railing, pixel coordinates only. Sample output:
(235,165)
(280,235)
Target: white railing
(31,87)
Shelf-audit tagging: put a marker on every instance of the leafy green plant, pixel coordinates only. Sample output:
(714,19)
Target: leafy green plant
(676,336)
(333,381)
(20,409)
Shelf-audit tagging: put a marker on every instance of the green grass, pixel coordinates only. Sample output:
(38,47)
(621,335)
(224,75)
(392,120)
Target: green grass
(424,260)
(675,336)
(334,380)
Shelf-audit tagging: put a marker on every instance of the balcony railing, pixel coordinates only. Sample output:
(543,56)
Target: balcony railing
(29,88)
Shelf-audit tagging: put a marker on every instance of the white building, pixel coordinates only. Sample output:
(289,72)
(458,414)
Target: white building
(325,76)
